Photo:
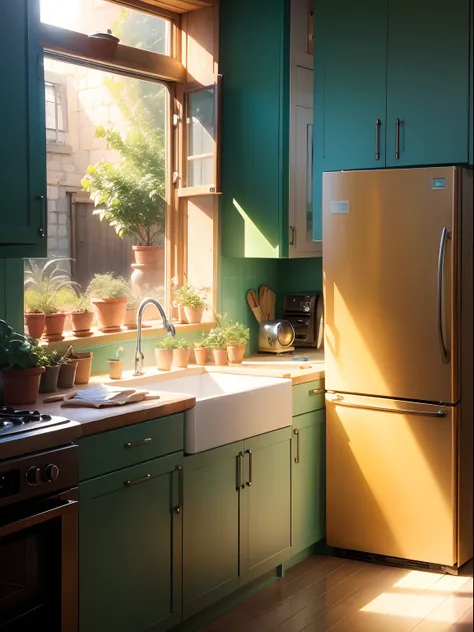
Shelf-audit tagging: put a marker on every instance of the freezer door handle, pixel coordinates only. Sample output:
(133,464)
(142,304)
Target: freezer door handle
(338,400)
(445,235)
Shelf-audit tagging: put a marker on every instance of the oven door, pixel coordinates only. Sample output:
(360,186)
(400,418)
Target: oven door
(38,565)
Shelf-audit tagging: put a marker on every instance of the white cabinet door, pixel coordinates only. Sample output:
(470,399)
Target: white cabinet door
(301,33)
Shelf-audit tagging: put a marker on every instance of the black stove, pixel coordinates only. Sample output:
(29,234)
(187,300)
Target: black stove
(14,421)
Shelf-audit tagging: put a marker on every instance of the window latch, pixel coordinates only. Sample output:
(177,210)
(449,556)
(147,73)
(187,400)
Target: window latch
(176,120)
(175,177)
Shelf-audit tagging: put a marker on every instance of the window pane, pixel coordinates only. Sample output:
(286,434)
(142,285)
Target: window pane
(51,116)
(200,172)
(201,137)
(134,28)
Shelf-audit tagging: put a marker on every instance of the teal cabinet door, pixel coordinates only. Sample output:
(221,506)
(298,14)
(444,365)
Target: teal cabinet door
(350,41)
(265,516)
(211,527)
(428,82)
(22,130)
(130,549)
(471,79)
(308,479)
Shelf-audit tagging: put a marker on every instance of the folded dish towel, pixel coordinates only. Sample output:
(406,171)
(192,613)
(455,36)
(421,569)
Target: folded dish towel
(104,396)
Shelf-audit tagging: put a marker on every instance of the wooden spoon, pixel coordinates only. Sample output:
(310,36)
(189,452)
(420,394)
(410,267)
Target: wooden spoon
(253,303)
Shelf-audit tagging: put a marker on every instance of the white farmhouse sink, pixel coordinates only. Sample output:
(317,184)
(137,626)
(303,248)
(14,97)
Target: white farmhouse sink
(228,407)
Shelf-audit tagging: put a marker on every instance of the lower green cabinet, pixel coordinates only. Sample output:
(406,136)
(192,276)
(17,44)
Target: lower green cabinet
(308,479)
(130,548)
(237,512)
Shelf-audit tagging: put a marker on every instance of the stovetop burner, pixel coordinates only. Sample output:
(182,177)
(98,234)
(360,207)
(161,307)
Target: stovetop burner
(14,421)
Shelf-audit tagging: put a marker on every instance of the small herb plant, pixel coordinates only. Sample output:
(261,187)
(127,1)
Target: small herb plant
(168,342)
(82,304)
(32,302)
(216,339)
(191,296)
(237,334)
(50,357)
(106,286)
(47,285)
(18,351)
(181,343)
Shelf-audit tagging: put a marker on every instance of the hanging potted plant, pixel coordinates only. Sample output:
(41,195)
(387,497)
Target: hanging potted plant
(20,366)
(52,287)
(109,296)
(181,353)
(82,317)
(130,194)
(51,360)
(164,352)
(192,301)
(237,338)
(34,317)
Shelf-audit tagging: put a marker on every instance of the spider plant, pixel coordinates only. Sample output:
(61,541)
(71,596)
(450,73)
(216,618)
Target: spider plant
(47,282)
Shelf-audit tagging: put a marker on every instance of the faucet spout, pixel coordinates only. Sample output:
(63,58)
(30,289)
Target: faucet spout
(169,328)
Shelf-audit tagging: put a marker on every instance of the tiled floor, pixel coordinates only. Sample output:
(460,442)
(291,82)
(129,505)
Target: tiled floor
(325,593)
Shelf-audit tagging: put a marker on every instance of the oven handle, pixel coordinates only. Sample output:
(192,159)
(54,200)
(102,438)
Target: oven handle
(68,507)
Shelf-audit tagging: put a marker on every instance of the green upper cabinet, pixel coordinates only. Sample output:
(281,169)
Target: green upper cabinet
(427,82)
(259,53)
(22,130)
(130,548)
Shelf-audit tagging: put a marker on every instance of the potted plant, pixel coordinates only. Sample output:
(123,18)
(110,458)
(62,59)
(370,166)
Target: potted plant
(216,340)
(82,316)
(130,194)
(237,337)
(181,353)
(51,360)
(131,310)
(20,366)
(34,317)
(116,365)
(200,351)
(164,351)
(191,300)
(51,284)
(109,296)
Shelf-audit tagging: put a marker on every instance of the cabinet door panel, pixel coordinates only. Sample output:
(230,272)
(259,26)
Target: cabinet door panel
(22,124)
(308,479)
(265,504)
(130,549)
(428,82)
(350,89)
(211,527)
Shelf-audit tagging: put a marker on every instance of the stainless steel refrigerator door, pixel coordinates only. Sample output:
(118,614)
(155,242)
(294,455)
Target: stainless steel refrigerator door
(390,472)
(389,268)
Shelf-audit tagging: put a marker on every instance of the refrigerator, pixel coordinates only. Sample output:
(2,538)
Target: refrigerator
(398,287)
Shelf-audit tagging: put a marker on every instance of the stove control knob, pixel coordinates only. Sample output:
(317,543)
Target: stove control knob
(51,473)
(33,476)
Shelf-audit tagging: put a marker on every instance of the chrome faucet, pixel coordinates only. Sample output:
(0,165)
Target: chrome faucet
(139,357)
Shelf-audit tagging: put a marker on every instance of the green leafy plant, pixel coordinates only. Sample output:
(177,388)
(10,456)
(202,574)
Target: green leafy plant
(82,303)
(168,342)
(237,334)
(107,285)
(191,296)
(18,351)
(46,284)
(216,339)
(181,343)
(49,357)
(32,301)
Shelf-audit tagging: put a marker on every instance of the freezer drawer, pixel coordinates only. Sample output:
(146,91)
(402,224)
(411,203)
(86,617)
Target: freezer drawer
(391,478)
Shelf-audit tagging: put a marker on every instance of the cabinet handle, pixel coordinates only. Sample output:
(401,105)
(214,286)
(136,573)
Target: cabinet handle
(378,124)
(238,483)
(249,482)
(296,432)
(315,391)
(136,444)
(137,481)
(397,138)
(178,507)
(42,199)
(292,236)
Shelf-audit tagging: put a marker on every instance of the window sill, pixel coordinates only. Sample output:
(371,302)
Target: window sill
(98,338)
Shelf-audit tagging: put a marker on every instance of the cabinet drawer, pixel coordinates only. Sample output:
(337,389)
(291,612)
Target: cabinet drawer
(308,396)
(127,446)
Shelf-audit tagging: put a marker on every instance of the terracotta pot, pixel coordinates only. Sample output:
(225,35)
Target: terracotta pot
(181,357)
(84,366)
(35,324)
(164,359)
(182,315)
(67,374)
(110,313)
(115,368)
(220,357)
(82,323)
(55,326)
(200,354)
(149,255)
(131,317)
(194,314)
(236,353)
(49,379)
(21,386)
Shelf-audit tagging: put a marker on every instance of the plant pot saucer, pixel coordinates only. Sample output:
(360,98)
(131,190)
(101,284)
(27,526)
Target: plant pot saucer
(53,337)
(110,330)
(82,334)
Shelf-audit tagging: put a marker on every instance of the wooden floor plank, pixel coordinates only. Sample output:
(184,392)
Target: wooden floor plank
(465,623)
(450,610)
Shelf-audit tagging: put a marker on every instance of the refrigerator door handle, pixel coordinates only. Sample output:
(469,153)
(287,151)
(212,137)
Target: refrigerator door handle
(445,235)
(338,401)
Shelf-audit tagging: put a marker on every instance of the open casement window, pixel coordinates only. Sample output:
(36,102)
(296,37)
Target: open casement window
(199,131)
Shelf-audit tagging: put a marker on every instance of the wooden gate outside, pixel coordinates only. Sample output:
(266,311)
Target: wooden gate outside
(95,246)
